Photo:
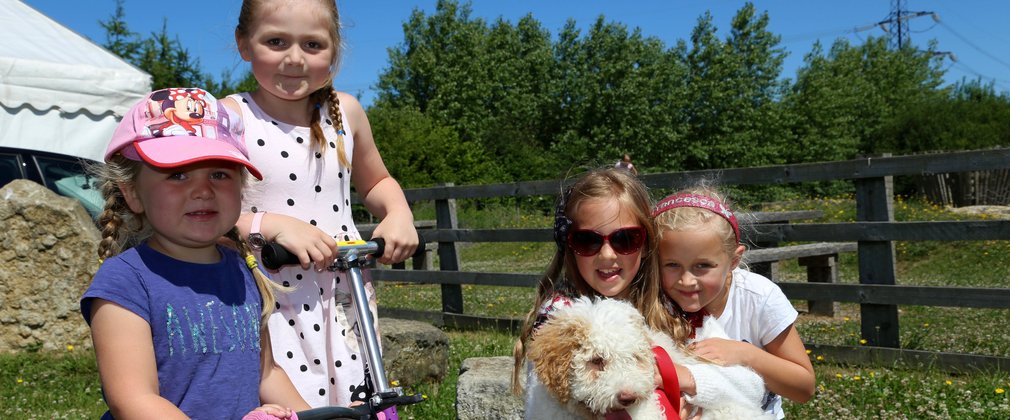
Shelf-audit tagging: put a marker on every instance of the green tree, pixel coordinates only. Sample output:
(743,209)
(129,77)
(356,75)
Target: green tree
(616,92)
(973,116)
(843,100)
(419,152)
(733,115)
(164,58)
(488,83)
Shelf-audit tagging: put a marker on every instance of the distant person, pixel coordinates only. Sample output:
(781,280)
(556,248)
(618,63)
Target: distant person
(179,321)
(625,163)
(699,264)
(304,136)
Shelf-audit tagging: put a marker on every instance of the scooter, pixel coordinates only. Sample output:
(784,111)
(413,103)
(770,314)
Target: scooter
(352,256)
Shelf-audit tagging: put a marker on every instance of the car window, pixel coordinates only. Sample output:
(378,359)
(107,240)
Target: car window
(10,168)
(68,178)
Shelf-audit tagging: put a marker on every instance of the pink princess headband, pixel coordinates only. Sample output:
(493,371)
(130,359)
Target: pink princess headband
(701,202)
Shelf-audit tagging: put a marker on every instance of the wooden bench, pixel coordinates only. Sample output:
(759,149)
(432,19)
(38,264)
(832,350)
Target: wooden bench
(820,259)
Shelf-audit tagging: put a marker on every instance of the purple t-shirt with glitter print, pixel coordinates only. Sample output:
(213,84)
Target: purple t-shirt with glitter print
(204,324)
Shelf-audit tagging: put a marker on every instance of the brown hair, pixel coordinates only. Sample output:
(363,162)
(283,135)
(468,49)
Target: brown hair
(325,95)
(562,275)
(122,228)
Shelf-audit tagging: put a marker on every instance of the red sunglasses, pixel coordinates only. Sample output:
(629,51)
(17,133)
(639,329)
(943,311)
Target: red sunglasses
(623,241)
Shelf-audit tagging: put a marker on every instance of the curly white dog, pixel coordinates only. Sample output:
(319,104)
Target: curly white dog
(595,357)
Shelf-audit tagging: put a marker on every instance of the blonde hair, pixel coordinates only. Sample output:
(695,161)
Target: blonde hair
(325,95)
(122,228)
(562,275)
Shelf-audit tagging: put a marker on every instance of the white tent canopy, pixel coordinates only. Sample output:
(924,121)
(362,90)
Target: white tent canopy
(59,91)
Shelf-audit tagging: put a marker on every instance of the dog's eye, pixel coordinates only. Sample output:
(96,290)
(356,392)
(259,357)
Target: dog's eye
(597,363)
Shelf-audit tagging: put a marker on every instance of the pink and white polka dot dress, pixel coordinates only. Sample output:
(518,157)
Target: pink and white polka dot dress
(313,330)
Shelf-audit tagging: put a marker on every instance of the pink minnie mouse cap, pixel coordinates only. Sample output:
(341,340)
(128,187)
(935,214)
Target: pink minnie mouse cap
(178,126)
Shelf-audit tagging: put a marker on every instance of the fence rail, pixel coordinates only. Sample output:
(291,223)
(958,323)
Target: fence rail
(874,232)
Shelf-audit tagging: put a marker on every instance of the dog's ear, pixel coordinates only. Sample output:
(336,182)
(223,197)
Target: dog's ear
(551,351)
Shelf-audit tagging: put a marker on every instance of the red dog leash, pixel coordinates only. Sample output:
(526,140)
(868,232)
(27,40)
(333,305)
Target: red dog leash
(671,385)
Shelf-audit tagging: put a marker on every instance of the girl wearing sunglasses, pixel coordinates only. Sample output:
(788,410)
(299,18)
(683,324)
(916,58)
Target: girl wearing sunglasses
(605,248)
(699,259)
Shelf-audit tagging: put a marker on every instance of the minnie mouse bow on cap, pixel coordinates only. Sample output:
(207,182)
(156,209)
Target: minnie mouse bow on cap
(180,126)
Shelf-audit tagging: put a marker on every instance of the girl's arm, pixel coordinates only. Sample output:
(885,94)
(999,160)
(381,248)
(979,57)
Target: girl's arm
(380,193)
(783,363)
(275,386)
(126,364)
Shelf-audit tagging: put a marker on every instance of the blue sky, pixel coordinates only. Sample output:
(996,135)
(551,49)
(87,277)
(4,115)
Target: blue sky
(975,31)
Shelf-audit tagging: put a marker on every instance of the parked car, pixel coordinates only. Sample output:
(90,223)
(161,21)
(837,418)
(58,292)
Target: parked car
(61,173)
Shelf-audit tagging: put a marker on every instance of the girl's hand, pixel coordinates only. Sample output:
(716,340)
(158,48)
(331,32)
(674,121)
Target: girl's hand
(270,412)
(686,410)
(722,351)
(312,246)
(397,229)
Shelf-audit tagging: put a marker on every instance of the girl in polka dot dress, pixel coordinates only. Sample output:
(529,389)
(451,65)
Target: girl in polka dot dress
(304,136)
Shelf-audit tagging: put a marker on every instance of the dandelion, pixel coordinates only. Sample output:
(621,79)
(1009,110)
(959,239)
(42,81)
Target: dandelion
(1000,391)
(838,375)
(925,325)
(70,347)
(846,318)
(862,341)
(948,382)
(21,380)
(809,351)
(820,358)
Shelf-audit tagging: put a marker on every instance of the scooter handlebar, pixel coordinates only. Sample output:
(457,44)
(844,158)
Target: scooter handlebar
(276,256)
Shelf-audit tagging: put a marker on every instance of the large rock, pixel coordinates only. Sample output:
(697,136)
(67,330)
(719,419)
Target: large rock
(48,255)
(413,352)
(484,390)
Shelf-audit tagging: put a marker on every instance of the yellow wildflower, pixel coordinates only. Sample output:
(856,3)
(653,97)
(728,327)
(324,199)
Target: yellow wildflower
(820,358)
(1000,390)
(845,318)
(948,382)
(838,375)
(856,378)
(70,347)
(809,351)
(862,341)
(20,380)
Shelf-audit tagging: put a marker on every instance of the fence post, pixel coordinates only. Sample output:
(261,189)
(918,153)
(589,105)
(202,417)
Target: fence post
(874,202)
(448,258)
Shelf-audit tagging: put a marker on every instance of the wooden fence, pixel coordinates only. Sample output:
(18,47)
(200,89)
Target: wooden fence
(874,231)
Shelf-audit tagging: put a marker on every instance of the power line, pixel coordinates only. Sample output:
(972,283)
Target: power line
(971,44)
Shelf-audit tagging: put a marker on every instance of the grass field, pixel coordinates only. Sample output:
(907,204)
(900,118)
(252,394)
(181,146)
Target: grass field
(64,384)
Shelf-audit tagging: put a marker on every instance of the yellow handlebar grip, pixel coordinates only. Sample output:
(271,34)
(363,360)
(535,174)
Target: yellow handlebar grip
(348,243)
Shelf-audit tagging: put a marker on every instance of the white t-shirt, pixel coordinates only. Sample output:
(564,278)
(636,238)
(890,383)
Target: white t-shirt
(757,312)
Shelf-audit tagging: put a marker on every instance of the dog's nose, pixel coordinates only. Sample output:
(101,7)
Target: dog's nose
(627,398)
